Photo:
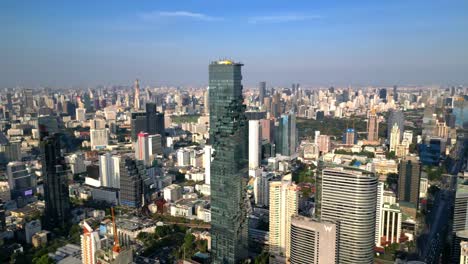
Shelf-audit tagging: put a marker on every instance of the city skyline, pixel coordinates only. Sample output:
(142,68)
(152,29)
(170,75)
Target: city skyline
(54,44)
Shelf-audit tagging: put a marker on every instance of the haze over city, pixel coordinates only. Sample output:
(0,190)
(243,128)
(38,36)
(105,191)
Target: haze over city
(169,43)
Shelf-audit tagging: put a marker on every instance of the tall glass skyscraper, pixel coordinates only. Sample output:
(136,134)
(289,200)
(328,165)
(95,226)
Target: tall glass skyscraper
(54,169)
(229,168)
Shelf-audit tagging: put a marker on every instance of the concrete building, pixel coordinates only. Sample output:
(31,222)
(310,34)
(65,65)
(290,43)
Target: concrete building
(99,138)
(409,171)
(347,196)
(81,114)
(172,193)
(373,126)
(31,228)
(207,163)
(284,203)
(390,226)
(90,244)
(109,170)
(254,144)
(142,148)
(313,241)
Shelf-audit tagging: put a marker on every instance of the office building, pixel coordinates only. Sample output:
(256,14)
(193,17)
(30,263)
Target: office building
(284,203)
(21,181)
(313,241)
(324,143)
(378,211)
(460,217)
(90,244)
(254,144)
(390,226)
(373,126)
(54,171)
(348,198)
(409,170)
(395,93)
(150,121)
(383,94)
(286,136)
(229,167)
(132,173)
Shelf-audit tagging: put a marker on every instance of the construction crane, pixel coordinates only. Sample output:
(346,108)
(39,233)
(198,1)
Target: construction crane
(116,247)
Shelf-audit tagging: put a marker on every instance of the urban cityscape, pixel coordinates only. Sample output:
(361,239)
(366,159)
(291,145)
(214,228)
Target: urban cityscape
(240,164)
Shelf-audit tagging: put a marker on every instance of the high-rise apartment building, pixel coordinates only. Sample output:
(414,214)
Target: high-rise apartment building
(254,144)
(373,126)
(229,167)
(284,203)
(313,241)
(90,244)
(394,137)
(99,138)
(54,171)
(348,198)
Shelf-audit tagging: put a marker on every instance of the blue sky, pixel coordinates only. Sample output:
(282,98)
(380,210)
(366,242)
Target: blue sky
(87,43)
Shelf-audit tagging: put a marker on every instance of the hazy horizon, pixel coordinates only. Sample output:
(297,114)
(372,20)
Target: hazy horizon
(87,43)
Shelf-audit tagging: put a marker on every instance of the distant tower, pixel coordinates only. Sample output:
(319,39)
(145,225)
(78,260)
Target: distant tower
(409,171)
(396,117)
(261,92)
(131,182)
(373,126)
(394,137)
(136,103)
(142,148)
(395,93)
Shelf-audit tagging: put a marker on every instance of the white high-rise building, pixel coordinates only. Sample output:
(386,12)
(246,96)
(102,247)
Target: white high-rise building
(109,170)
(254,144)
(90,243)
(99,138)
(378,212)
(390,225)
(262,189)
(80,114)
(76,163)
(348,197)
(207,161)
(284,203)
(394,137)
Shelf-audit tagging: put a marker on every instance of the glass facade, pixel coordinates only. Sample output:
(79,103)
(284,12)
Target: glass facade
(229,168)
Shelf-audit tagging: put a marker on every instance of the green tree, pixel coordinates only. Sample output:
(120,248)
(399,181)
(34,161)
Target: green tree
(45,259)
(74,234)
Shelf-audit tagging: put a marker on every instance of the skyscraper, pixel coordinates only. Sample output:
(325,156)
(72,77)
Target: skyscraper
(395,93)
(373,126)
(261,92)
(313,241)
(394,137)
(254,144)
(348,198)
(383,94)
(285,138)
(57,205)
(229,168)
(150,121)
(409,170)
(142,148)
(109,170)
(284,203)
(136,103)
(395,117)
(131,182)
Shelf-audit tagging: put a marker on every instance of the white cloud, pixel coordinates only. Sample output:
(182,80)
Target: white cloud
(281,18)
(177,14)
